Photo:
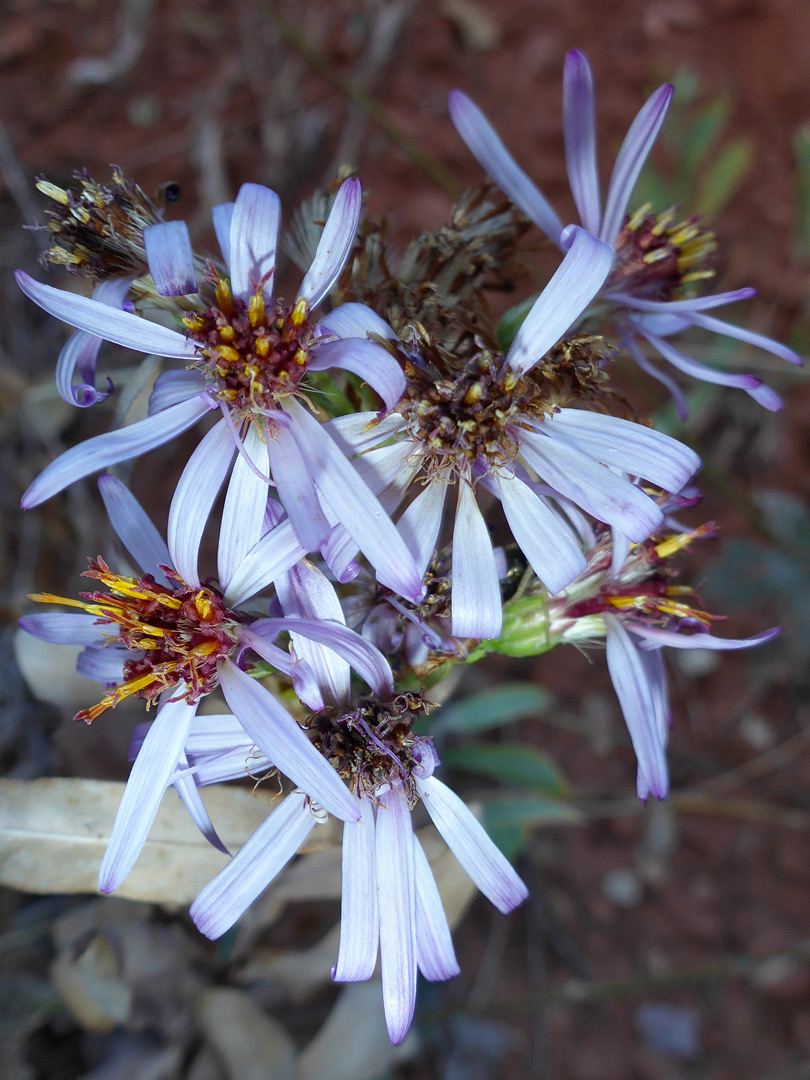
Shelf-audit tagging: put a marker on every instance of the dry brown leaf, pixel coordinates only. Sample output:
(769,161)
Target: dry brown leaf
(250,1044)
(53,834)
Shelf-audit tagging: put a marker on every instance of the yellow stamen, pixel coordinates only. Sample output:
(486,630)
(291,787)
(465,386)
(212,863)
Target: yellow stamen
(256,309)
(299,312)
(53,192)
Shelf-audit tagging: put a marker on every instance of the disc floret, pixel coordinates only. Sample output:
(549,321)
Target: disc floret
(658,254)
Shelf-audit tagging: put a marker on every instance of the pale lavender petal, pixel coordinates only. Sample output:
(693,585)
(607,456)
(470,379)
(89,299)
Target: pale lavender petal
(467,838)
(475,592)
(115,446)
(245,504)
(675,640)
(339,553)
(718,326)
(194,496)
(749,383)
(493,157)
(335,244)
(673,307)
(260,638)
(634,152)
(258,861)
(434,945)
(580,139)
(142,796)
(221,217)
(543,537)
(134,528)
(620,549)
(610,498)
(305,592)
(276,552)
(212,733)
(633,689)
(397,907)
(355,321)
(576,281)
(186,788)
(253,239)
(359,912)
(172,387)
(80,352)
(626,446)
(358,432)
(652,661)
(767,398)
(355,507)
(365,658)
(276,733)
(421,522)
(638,356)
(294,484)
(374,364)
(104,665)
(170,258)
(64,627)
(107,322)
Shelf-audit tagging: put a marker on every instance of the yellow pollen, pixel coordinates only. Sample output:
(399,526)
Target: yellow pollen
(53,192)
(300,357)
(261,346)
(224,298)
(299,312)
(475,393)
(193,322)
(228,354)
(227,333)
(637,218)
(256,310)
(202,603)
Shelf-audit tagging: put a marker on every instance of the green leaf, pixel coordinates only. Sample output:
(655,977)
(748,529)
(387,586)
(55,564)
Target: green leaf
(509,821)
(702,135)
(493,708)
(801,145)
(511,763)
(724,178)
(512,321)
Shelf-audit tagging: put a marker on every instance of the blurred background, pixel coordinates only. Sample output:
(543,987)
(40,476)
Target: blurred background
(661,943)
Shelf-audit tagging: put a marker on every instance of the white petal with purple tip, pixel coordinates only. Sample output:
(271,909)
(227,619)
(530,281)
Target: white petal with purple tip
(335,244)
(475,592)
(194,496)
(147,782)
(258,861)
(543,537)
(115,446)
(305,592)
(718,326)
(434,944)
(486,147)
(631,157)
(467,838)
(253,239)
(675,640)
(134,528)
(633,689)
(107,322)
(186,788)
(397,904)
(64,627)
(276,733)
(575,283)
(673,307)
(359,912)
(170,258)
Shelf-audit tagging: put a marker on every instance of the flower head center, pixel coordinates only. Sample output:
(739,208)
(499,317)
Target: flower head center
(252,353)
(374,745)
(657,255)
(175,634)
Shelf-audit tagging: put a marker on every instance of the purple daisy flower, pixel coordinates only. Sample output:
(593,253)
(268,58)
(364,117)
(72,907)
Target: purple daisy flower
(390,903)
(639,611)
(496,428)
(653,257)
(247,354)
(160,638)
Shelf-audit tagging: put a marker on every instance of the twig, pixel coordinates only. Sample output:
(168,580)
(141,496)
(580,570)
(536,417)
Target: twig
(413,149)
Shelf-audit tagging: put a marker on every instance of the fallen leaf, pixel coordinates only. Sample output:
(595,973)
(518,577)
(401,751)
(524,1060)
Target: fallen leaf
(250,1044)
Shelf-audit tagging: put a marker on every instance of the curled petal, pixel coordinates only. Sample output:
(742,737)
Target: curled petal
(335,244)
(80,352)
(374,364)
(355,321)
(170,258)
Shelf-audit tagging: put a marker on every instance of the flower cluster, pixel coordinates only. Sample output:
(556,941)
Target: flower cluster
(369,432)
